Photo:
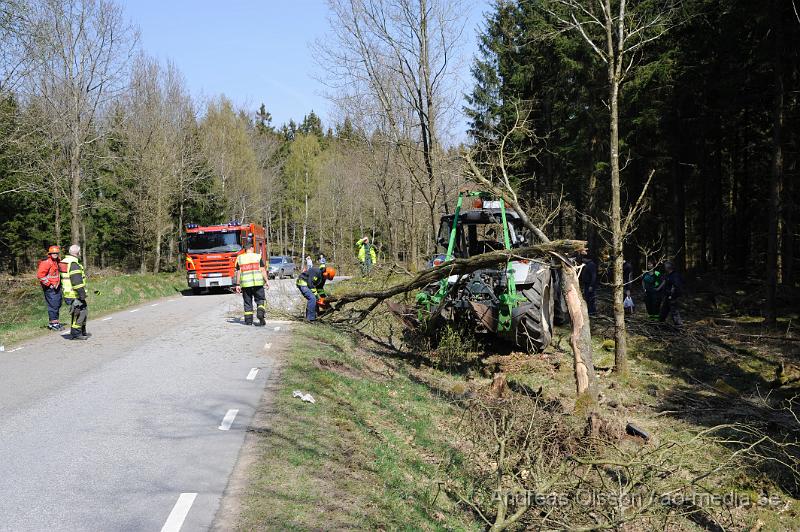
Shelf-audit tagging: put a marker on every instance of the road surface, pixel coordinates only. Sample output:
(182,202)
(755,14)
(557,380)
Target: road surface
(138,428)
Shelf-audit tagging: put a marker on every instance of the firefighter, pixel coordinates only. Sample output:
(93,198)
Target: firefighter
(73,283)
(652,285)
(49,277)
(366,255)
(311,284)
(673,290)
(250,280)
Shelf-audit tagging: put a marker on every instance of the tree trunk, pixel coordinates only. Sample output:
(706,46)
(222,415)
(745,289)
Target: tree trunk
(617,238)
(57,224)
(157,251)
(788,233)
(75,193)
(773,207)
(580,340)
(84,246)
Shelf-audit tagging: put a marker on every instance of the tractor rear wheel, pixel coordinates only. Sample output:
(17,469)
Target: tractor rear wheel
(533,319)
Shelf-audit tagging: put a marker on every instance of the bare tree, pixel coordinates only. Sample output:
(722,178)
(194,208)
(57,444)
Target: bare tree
(80,52)
(392,70)
(616,31)
(158,104)
(233,161)
(14,62)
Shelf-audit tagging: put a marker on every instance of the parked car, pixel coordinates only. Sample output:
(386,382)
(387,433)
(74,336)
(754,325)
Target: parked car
(281,266)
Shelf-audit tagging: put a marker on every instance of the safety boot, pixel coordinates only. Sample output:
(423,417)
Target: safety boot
(261,319)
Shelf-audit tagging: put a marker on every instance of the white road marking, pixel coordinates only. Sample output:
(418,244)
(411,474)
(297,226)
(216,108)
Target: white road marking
(268,346)
(154,305)
(227,421)
(252,375)
(277,328)
(179,512)
(16,349)
(106,319)
(136,310)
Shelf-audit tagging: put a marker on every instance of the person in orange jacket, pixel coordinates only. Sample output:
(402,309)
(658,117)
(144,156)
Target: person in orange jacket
(50,279)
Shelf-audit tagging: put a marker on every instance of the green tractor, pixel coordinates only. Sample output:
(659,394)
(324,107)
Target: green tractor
(515,302)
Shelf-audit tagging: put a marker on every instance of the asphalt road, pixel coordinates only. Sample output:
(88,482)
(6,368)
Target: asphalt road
(139,427)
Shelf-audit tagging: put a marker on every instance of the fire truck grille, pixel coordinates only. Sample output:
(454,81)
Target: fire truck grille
(215,266)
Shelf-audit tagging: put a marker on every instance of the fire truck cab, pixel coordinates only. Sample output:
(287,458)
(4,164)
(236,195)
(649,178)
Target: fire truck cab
(211,252)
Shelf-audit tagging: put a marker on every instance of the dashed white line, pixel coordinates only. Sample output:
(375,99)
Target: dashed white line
(136,310)
(268,346)
(154,305)
(277,328)
(106,319)
(16,349)
(252,375)
(179,512)
(227,421)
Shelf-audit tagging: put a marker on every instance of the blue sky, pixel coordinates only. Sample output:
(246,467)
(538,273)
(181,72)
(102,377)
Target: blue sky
(252,51)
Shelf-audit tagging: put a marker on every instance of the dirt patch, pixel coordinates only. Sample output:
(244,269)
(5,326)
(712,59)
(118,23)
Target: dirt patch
(337,367)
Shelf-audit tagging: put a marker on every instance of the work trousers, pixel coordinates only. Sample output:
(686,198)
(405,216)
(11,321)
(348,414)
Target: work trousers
(671,307)
(366,265)
(652,301)
(79,312)
(52,296)
(257,293)
(311,305)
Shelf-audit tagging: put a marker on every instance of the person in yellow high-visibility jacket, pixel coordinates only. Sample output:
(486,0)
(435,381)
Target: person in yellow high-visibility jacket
(250,280)
(73,281)
(366,255)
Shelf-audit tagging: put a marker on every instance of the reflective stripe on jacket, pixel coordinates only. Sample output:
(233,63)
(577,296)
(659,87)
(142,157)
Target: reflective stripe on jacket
(48,273)
(249,266)
(73,278)
(313,279)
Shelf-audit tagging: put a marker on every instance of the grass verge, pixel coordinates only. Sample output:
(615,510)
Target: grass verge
(364,456)
(24,315)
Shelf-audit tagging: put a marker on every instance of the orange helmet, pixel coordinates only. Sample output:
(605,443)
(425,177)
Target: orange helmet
(328,273)
(53,249)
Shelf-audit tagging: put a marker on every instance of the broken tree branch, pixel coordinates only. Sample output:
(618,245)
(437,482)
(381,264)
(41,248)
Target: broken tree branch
(461,267)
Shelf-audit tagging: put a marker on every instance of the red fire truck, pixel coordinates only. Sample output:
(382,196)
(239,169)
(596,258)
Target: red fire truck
(211,252)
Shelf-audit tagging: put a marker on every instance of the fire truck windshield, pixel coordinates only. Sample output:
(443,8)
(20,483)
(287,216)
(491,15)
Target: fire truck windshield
(212,242)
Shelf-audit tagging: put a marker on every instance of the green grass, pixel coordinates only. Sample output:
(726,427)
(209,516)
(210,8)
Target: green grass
(364,456)
(24,314)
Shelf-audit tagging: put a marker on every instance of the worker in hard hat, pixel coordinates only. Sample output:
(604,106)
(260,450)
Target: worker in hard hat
(311,284)
(73,282)
(250,280)
(366,255)
(50,278)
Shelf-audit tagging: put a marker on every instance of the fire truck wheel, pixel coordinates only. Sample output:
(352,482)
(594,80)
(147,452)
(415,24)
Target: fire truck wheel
(196,291)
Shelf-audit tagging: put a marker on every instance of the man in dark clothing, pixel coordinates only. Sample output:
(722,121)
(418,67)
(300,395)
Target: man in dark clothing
(311,284)
(73,281)
(673,287)
(588,280)
(50,278)
(652,283)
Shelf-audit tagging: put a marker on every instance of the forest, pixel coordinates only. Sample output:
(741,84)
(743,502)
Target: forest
(627,131)
(105,146)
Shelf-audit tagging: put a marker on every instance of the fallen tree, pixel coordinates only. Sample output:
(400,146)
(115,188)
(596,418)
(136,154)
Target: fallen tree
(580,339)
(461,267)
